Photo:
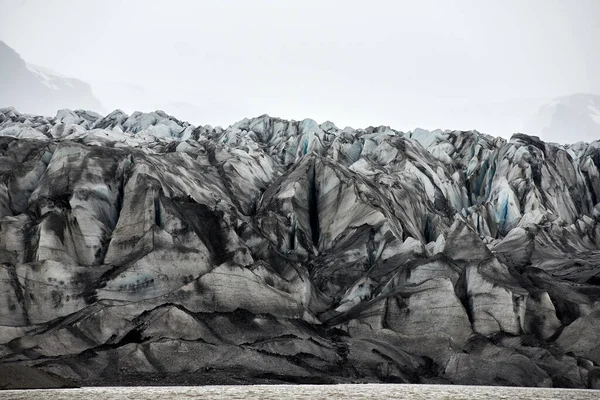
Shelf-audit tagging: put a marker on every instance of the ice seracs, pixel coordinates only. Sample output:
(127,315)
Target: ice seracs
(295,250)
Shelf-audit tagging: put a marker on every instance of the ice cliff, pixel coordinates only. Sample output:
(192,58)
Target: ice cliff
(140,245)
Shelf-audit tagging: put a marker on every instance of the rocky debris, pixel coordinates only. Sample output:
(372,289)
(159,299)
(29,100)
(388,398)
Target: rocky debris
(142,249)
(14,377)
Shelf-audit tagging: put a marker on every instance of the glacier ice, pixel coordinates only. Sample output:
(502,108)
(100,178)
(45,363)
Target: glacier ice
(296,250)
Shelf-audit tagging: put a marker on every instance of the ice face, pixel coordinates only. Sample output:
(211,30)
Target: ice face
(289,247)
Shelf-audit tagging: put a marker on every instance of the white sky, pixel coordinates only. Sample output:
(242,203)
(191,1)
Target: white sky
(434,64)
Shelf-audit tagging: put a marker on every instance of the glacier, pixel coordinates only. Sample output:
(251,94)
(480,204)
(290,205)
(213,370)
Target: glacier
(136,248)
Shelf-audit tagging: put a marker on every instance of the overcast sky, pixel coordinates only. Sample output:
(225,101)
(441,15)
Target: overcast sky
(358,63)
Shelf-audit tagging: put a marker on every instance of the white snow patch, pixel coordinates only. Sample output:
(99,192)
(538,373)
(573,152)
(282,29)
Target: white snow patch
(595,111)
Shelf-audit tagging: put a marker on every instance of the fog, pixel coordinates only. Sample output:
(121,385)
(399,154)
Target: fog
(464,64)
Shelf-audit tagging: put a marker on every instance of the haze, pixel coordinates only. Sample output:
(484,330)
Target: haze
(464,64)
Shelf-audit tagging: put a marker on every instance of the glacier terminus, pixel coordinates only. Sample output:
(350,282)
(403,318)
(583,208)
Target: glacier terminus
(140,248)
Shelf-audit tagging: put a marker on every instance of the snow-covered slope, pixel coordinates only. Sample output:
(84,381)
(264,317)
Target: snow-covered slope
(567,119)
(37,90)
(137,245)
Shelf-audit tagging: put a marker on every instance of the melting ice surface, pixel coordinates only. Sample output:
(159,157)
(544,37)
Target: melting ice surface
(295,249)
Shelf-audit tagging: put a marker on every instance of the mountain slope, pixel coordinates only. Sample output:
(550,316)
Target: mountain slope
(138,246)
(567,119)
(36,90)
